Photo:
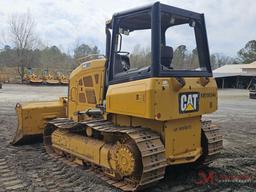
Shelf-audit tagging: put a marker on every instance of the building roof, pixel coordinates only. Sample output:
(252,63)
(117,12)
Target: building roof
(230,70)
(250,66)
(234,68)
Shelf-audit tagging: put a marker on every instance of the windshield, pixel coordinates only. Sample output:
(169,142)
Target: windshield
(166,42)
(179,51)
(133,48)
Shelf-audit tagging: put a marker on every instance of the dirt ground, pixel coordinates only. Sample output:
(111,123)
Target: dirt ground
(29,168)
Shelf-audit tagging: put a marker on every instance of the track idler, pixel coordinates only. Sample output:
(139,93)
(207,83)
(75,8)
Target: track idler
(128,158)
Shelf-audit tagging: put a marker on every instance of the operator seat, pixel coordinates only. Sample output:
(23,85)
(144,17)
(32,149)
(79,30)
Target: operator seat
(122,63)
(166,56)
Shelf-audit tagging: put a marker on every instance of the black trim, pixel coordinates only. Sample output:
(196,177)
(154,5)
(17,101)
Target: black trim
(185,73)
(108,52)
(180,12)
(132,11)
(108,42)
(157,38)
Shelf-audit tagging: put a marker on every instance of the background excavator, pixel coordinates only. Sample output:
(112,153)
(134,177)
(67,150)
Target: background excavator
(131,122)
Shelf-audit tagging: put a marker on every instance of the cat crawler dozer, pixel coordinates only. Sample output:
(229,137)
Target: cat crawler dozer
(63,80)
(32,78)
(50,79)
(129,122)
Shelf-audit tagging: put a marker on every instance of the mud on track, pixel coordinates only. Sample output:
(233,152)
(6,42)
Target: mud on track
(29,168)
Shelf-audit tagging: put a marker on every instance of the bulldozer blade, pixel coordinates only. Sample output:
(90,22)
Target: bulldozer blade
(32,118)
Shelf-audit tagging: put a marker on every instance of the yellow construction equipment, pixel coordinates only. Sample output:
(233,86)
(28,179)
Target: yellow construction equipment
(127,122)
(63,80)
(32,78)
(50,80)
(33,117)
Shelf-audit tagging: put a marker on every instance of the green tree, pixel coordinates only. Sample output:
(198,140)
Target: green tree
(219,60)
(8,57)
(194,60)
(53,58)
(85,50)
(248,53)
(140,57)
(179,55)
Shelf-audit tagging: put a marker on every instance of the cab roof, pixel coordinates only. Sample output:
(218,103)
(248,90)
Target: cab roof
(139,18)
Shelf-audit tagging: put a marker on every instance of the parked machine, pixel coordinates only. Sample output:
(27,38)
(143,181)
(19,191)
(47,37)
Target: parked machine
(252,89)
(63,80)
(32,78)
(49,79)
(128,122)
(252,94)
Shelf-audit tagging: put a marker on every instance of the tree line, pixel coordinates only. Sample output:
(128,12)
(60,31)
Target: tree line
(46,58)
(188,59)
(23,49)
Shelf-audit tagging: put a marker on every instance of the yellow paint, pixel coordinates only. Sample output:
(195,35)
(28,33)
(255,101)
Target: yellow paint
(162,104)
(156,98)
(33,116)
(33,78)
(156,103)
(85,148)
(189,107)
(183,140)
(91,68)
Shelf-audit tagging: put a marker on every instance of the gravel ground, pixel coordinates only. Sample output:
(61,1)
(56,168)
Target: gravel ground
(29,168)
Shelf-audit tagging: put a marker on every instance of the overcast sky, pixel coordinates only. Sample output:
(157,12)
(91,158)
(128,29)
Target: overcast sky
(230,23)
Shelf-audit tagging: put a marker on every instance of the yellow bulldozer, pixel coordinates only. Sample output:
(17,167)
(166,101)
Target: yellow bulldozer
(130,123)
(63,80)
(32,78)
(50,79)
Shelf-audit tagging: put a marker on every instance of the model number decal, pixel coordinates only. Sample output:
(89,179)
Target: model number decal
(189,102)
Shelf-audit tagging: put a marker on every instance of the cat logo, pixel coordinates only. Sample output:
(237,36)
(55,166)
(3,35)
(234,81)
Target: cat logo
(189,102)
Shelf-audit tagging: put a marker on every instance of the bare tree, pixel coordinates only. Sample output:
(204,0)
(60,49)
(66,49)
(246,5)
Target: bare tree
(23,37)
(220,59)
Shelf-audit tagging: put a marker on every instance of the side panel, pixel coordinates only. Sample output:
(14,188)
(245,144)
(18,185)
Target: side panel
(158,98)
(183,140)
(191,100)
(86,87)
(133,99)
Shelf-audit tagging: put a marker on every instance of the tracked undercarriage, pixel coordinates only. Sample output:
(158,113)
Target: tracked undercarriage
(211,141)
(128,158)
(132,160)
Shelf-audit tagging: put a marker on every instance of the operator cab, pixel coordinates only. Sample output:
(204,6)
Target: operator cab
(156,41)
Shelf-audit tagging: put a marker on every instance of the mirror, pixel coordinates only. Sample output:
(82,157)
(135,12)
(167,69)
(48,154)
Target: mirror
(124,32)
(192,23)
(172,20)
